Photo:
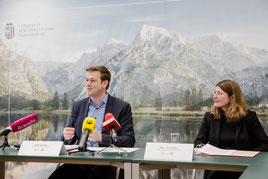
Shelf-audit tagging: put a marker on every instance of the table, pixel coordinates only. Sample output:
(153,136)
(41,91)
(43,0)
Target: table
(256,167)
(112,159)
(134,162)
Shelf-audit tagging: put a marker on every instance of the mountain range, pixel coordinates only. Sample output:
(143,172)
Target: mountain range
(165,62)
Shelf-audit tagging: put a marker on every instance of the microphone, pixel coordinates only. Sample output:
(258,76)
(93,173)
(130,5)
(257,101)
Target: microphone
(111,126)
(19,124)
(87,128)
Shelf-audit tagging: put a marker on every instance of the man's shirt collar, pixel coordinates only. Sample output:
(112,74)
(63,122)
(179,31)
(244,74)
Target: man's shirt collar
(104,101)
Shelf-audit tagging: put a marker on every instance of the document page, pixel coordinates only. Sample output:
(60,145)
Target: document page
(243,153)
(212,150)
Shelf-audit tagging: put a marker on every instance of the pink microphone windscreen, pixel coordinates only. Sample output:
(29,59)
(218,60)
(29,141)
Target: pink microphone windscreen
(23,122)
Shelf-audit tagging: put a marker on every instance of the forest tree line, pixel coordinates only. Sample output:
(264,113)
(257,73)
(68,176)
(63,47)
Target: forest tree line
(190,100)
(20,102)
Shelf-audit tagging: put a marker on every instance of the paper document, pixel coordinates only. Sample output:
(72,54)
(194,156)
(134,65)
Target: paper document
(212,150)
(112,150)
(71,147)
(96,149)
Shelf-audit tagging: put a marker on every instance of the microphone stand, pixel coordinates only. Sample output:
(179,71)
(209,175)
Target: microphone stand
(79,150)
(119,150)
(6,144)
(86,150)
(82,147)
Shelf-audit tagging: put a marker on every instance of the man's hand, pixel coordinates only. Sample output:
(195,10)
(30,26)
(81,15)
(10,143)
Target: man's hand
(95,136)
(68,133)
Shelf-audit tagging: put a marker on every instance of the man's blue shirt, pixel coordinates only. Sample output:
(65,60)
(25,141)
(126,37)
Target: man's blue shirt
(97,112)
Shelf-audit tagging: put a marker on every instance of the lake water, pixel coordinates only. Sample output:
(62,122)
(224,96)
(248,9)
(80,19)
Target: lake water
(147,129)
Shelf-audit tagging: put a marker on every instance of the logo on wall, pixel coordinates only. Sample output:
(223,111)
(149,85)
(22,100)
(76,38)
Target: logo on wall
(33,30)
(9,31)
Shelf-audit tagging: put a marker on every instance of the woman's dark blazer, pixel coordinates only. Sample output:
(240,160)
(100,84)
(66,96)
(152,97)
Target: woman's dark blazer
(249,135)
(249,132)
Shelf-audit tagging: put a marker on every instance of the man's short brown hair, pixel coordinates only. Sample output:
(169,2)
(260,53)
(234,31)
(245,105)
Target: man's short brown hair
(105,73)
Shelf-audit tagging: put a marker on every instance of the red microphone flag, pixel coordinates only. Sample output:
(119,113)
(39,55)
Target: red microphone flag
(109,122)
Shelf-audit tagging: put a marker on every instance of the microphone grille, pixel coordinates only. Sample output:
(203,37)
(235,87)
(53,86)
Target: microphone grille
(108,116)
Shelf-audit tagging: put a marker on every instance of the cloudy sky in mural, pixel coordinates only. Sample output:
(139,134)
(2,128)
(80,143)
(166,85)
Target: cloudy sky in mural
(63,30)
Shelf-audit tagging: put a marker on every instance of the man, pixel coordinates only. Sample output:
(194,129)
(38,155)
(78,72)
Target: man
(96,106)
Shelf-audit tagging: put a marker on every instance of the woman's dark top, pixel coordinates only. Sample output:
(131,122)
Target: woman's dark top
(227,137)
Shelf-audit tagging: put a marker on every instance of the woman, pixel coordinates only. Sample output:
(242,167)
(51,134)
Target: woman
(231,125)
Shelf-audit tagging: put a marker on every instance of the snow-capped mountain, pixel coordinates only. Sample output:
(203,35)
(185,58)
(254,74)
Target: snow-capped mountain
(161,61)
(70,77)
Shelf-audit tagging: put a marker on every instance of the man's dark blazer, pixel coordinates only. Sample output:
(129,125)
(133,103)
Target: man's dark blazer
(122,113)
(249,133)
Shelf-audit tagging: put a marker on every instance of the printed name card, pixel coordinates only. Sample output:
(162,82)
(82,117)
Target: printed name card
(169,151)
(42,148)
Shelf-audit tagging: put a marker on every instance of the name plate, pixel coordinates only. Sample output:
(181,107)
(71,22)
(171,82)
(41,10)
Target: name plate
(169,151)
(42,148)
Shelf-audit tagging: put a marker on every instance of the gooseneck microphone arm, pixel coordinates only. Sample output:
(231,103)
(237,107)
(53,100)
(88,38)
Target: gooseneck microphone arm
(82,147)
(83,144)
(87,128)
(5,132)
(114,137)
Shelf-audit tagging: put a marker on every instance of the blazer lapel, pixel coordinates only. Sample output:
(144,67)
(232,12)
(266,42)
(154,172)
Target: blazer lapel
(108,106)
(85,108)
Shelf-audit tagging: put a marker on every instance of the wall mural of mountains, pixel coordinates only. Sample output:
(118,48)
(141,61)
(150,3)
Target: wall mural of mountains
(22,74)
(157,61)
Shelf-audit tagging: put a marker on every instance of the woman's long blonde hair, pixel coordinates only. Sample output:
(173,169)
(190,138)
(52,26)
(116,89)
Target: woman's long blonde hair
(237,108)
